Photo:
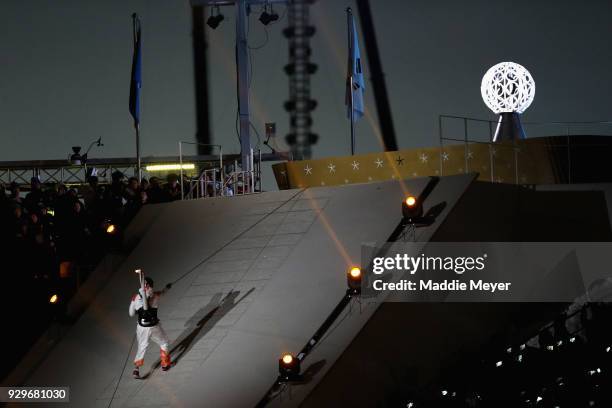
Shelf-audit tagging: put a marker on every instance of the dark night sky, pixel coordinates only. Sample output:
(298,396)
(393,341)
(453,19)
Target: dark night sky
(65,70)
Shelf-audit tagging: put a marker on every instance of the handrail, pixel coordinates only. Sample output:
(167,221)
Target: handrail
(568,132)
(597,122)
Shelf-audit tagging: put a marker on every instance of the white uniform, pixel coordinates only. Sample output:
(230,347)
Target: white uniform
(144,334)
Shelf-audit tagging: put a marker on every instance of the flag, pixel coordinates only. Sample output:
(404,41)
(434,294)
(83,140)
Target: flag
(136,78)
(355,71)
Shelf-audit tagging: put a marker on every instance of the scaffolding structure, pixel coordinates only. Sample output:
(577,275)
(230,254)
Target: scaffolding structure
(299,69)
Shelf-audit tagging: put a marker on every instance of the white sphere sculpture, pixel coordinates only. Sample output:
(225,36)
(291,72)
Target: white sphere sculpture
(507,87)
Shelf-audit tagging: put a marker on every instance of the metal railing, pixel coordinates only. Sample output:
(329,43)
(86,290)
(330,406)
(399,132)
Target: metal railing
(216,182)
(202,174)
(62,172)
(472,131)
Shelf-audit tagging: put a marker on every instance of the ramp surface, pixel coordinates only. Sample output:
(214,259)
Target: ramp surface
(255,276)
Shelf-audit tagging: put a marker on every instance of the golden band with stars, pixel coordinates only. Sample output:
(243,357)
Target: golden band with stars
(523,162)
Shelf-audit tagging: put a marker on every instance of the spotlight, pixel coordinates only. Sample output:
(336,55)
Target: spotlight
(214,20)
(412,209)
(54,299)
(75,158)
(266,18)
(353,279)
(288,368)
(111,229)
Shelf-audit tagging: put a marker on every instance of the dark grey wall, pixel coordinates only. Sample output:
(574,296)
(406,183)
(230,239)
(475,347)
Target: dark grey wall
(64,70)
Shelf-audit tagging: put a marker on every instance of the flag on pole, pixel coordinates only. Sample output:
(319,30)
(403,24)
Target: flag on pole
(355,73)
(136,78)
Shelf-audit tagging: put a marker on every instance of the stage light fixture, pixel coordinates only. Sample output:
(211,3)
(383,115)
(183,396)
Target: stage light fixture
(266,18)
(54,299)
(214,20)
(412,209)
(353,280)
(288,368)
(75,158)
(111,229)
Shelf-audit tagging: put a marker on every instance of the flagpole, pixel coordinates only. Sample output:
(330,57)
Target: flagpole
(348,25)
(138,172)
(352,121)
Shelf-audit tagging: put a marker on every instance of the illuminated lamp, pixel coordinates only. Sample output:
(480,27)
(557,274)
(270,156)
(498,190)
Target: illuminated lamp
(353,279)
(168,167)
(288,368)
(508,90)
(412,209)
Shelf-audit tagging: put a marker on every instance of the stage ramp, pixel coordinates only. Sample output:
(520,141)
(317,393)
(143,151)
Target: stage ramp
(254,277)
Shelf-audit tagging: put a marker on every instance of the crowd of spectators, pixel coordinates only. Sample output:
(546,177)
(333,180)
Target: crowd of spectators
(54,235)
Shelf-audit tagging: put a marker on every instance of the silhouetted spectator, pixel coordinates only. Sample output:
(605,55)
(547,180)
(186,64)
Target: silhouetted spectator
(75,233)
(16,192)
(155,193)
(172,191)
(132,199)
(144,184)
(35,195)
(115,196)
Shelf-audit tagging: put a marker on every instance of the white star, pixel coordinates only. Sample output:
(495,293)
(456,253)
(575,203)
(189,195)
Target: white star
(284,173)
(393,176)
(379,163)
(470,154)
(345,181)
(322,183)
(308,170)
(445,156)
(369,178)
(332,168)
(414,174)
(355,165)
(423,157)
(493,151)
